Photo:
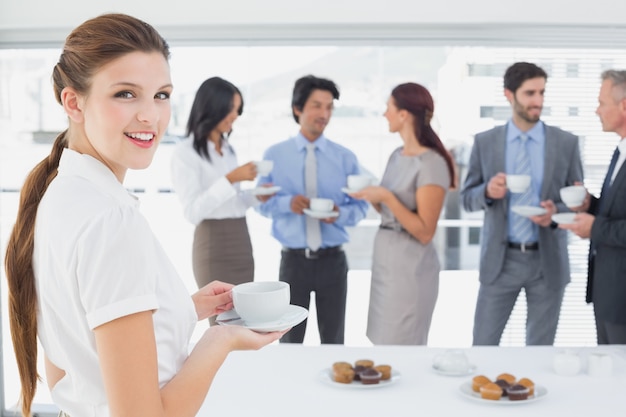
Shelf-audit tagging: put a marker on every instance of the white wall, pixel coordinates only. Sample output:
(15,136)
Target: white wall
(47,22)
(68,13)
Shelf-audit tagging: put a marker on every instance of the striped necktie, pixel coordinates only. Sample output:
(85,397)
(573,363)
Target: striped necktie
(522,227)
(313,232)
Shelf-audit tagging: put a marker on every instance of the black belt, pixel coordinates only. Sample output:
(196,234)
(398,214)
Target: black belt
(314,254)
(524,246)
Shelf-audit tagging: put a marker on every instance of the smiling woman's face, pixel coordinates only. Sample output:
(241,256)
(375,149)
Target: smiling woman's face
(126,112)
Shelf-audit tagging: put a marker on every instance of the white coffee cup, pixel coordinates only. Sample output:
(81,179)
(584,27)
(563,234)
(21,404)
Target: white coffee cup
(261,302)
(518,183)
(600,364)
(358,182)
(322,204)
(573,196)
(453,360)
(264,167)
(566,363)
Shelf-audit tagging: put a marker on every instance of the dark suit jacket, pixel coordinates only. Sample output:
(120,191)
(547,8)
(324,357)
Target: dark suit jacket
(562,166)
(606,284)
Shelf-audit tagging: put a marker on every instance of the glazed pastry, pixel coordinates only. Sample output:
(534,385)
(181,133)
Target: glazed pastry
(343,375)
(491,391)
(341,365)
(528,384)
(370,376)
(357,372)
(517,392)
(366,363)
(385,370)
(478,381)
(504,385)
(507,377)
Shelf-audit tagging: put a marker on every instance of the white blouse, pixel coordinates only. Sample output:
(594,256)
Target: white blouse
(202,187)
(95,260)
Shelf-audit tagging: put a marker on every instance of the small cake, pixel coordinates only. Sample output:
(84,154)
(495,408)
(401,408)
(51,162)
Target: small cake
(478,381)
(385,370)
(365,363)
(504,385)
(491,391)
(507,377)
(357,372)
(343,375)
(517,392)
(341,365)
(528,384)
(370,376)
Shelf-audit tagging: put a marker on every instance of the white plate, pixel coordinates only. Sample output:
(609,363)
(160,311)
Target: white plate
(264,190)
(294,315)
(564,218)
(467,391)
(326,376)
(468,371)
(349,190)
(321,214)
(528,211)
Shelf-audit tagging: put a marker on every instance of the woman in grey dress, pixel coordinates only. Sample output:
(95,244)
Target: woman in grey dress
(405,270)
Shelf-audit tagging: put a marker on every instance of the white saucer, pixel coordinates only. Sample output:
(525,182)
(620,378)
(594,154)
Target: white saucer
(321,214)
(294,315)
(349,190)
(470,370)
(468,392)
(264,190)
(564,218)
(326,376)
(528,211)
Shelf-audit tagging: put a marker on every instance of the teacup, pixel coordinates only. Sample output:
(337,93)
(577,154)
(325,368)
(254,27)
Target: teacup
(261,302)
(358,182)
(600,364)
(264,167)
(452,361)
(566,363)
(573,196)
(321,204)
(517,183)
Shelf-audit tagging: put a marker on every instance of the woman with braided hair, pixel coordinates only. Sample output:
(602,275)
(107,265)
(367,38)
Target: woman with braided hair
(86,274)
(405,270)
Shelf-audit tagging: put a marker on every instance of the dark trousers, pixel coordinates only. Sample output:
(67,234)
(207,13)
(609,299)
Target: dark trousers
(327,276)
(610,333)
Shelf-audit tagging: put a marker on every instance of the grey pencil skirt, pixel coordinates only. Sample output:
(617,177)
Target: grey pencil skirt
(222,251)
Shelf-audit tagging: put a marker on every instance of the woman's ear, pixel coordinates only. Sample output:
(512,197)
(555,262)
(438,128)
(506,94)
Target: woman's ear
(72,104)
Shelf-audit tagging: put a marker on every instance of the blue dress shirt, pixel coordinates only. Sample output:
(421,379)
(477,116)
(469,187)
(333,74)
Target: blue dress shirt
(334,164)
(536,152)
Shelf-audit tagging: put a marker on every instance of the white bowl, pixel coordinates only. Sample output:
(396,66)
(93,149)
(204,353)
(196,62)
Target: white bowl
(322,204)
(518,183)
(358,182)
(261,302)
(574,195)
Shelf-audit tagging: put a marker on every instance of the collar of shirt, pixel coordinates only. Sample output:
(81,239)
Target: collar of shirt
(73,163)
(321,142)
(622,157)
(536,133)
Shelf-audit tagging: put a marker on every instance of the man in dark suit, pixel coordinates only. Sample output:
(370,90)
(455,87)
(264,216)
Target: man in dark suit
(520,245)
(605,221)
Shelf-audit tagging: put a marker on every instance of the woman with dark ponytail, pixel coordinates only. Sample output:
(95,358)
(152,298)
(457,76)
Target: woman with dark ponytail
(86,275)
(405,270)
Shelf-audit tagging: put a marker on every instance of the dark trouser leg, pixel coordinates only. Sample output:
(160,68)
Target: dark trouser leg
(297,271)
(331,288)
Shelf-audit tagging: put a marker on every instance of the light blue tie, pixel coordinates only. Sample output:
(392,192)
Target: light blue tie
(313,232)
(522,227)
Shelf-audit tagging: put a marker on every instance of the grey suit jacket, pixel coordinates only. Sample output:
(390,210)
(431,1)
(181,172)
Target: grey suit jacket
(562,166)
(606,285)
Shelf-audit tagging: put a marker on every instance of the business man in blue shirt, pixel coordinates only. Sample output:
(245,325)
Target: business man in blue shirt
(312,259)
(521,250)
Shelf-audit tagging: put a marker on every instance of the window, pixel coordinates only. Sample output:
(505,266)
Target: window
(466,83)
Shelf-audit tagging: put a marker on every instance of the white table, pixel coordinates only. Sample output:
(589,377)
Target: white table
(284,380)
